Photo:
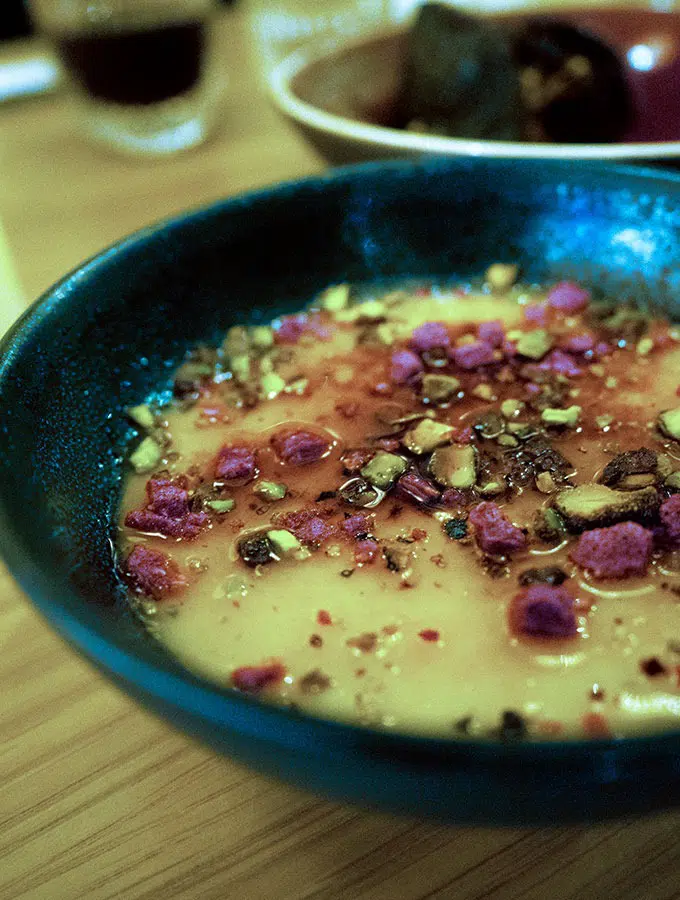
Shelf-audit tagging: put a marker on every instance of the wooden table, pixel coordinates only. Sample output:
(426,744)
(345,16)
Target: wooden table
(99,799)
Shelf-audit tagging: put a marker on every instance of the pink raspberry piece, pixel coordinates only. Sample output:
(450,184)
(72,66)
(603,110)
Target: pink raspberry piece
(494,532)
(491,333)
(470,356)
(300,448)
(568,297)
(236,465)
(412,486)
(544,610)
(428,336)
(614,552)
(562,363)
(357,524)
(405,366)
(670,516)
(153,572)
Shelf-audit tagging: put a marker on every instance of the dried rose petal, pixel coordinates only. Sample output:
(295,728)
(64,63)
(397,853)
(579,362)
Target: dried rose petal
(168,496)
(405,366)
(414,487)
(253,679)
(614,552)
(470,356)
(236,465)
(494,532)
(187,527)
(153,573)
(366,551)
(670,516)
(560,362)
(308,525)
(300,448)
(429,336)
(568,297)
(357,524)
(579,343)
(491,333)
(543,610)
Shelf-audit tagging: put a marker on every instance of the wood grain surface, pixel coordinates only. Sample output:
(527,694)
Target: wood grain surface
(99,799)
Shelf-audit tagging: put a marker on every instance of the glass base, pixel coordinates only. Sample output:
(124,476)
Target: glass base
(158,130)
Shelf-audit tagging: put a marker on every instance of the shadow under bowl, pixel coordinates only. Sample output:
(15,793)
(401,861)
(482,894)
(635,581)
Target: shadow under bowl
(109,335)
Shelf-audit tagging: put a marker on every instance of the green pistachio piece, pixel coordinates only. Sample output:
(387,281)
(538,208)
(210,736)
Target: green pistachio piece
(142,415)
(262,337)
(427,435)
(384,469)
(673,481)
(335,298)
(271,385)
(284,542)
(454,466)
(439,388)
(146,456)
(669,423)
(501,276)
(220,506)
(270,490)
(569,418)
(534,344)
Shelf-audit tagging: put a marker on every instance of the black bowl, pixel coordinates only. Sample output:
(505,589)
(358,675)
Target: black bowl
(109,334)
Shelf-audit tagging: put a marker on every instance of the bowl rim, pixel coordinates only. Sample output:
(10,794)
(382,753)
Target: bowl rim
(279,87)
(176,686)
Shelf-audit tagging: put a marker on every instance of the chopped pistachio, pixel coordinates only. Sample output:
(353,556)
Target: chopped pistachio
(335,298)
(284,542)
(548,525)
(567,417)
(344,374)
(669,423)
(439,388)
(146,456)
(501,276)
(598,370)
(454,466)
(266,365)
(523,430)
(545,483)
(220,506)
(384,334)
(634,482)
(507,440)
(611,383)
(673,481)
(384,469)
(271,385)
(346,316)
(297,386)
(427,435)
(142,415)
(240,366)
(236,341)
(262,337)
(511,408)
(372,310)
(534,344)
(644,346)
(492,489)
(604,421)
(483,391)
(597,506)
(270,490)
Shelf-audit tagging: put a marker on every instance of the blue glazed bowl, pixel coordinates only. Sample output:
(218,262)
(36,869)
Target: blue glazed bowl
(110,333)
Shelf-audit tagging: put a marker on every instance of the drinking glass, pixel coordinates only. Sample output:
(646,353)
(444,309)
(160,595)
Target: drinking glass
(137,68)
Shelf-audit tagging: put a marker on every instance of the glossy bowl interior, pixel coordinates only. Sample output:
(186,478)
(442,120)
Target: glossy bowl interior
(342,93)
(109,334)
